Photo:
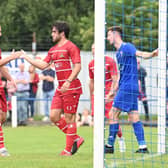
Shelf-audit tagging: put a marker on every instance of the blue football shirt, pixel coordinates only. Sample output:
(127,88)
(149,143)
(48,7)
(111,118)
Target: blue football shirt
(127,62)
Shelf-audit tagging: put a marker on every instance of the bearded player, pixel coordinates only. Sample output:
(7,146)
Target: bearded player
(66,97)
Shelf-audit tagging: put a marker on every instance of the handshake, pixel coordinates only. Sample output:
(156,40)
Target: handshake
(17,54)
(14,55)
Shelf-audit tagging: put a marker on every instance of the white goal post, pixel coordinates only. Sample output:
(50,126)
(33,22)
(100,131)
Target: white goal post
(99,84)
(161,106)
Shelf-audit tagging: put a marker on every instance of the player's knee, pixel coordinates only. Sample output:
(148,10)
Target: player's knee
(55,115)
(53,118)
(134,118)
(70,118)
(3,120)
(2,117)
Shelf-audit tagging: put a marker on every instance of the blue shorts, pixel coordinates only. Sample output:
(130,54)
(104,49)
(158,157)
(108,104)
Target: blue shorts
(126,100)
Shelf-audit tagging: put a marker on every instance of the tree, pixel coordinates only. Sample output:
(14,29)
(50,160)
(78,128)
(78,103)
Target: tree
(138,20)
(20,18)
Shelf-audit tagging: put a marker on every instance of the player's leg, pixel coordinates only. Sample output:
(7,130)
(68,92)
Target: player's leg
(145,104)
(3,110)
(143,98)
(108,107)
(56,113)
(139,131)
(113,129)
(56,117)
(2,119)
(73,141)
(121,141)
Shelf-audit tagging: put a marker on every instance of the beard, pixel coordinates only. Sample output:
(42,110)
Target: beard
(57,39)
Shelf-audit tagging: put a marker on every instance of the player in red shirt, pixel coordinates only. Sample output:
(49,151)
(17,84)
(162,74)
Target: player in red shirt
(111,75)
(66,97)
(3,102)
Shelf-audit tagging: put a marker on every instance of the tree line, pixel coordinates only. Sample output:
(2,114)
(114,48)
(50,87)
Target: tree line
(20,18)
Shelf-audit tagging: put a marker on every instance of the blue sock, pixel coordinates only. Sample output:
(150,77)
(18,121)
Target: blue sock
(113,129)
(139,132)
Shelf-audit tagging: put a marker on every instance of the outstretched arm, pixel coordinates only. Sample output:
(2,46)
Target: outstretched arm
(147,55)
(37,63)
(14,55)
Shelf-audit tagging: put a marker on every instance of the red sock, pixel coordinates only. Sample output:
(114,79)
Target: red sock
(71,136)
(1,138)
(62,125)
(119,133)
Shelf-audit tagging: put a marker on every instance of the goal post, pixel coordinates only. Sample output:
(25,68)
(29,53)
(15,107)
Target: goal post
(99,84)
(161,107)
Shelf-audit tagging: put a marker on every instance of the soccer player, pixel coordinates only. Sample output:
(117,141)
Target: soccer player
(3,102)
(66,97)
(110,76)
(127,91)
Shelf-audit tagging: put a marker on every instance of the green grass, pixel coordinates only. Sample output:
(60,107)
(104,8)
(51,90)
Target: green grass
(39,147)
(129,159)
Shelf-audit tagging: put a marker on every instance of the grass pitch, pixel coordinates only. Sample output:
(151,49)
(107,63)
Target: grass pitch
(130,159)
(39,147)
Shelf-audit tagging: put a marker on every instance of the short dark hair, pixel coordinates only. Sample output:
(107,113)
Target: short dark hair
(62,26)
(117,29)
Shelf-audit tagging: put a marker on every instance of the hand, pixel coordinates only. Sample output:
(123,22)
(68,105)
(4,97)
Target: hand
(16,55)
(110,96)
(65,86)
(23,55)
(155,53)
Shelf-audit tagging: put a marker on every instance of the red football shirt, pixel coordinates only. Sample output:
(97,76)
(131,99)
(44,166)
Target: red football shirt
(110,70)
(63,58)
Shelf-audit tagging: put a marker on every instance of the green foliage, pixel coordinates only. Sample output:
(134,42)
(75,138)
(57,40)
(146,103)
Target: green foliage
(20,18)
(139,20)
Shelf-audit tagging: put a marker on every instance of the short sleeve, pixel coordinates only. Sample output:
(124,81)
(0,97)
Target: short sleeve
(74,53)
(129,50)
(48,58)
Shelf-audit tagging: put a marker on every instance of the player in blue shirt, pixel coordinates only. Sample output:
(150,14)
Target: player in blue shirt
(126,89)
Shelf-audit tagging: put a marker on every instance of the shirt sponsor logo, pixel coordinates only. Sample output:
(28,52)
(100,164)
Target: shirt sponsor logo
(61,56)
